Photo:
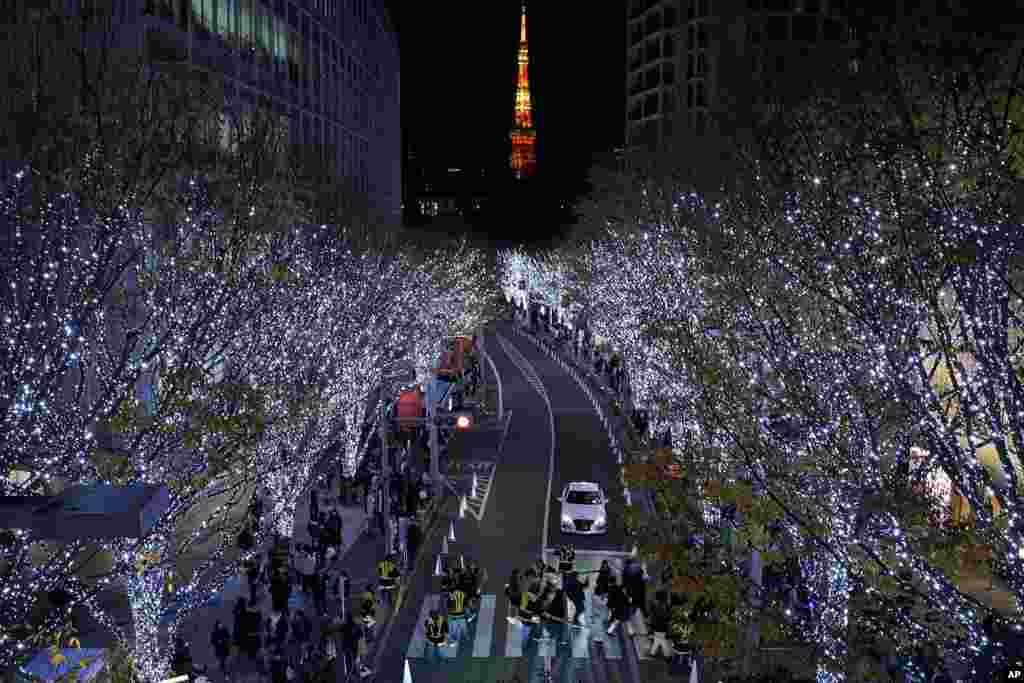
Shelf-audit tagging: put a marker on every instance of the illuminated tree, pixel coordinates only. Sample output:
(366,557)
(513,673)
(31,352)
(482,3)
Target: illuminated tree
(837,332)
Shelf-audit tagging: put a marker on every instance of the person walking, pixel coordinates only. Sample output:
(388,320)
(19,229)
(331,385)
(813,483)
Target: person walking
(302,629)
(556,614)
(220,640)
(566,559)
(314,504)
(387,575)
(436,628)
(320,592)
(351,634)
(252,574)
(634,581)
(605,579)
(457,613)
(513,591)
(658,625)
(414,538)
(575,591)
(280,591)
(239,615)
(618,607)
(368,611)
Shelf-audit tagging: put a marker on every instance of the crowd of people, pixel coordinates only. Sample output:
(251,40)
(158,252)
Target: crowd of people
(268,639)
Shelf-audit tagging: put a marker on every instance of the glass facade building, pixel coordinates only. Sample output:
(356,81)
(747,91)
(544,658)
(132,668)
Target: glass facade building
(328,68)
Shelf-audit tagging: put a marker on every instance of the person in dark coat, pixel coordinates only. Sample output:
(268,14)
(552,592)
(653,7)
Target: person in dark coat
(320,591)
(351,634)
(252,573)
(278,668)
(413,541)
(220,640)
(280,591)
(635,584)
(314,504)
(181,659)
(605,579)
(513,591)
(239,613)
(574,590)
(618,607)
(281,631)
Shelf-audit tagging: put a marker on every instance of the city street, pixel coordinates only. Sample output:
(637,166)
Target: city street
(510,536)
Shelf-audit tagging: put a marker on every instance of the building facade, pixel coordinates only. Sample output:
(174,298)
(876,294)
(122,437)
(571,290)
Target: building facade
(329,68)
(684,56)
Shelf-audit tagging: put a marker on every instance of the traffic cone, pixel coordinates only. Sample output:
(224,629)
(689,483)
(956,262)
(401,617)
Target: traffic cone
(451,531)
(407,677)
(462,507)
(444,545)
(438,569)
(473,494)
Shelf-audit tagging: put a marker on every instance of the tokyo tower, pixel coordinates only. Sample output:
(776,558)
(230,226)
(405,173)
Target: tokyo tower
(523,135)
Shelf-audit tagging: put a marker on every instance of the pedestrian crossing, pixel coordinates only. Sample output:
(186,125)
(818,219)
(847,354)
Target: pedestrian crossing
(482,642)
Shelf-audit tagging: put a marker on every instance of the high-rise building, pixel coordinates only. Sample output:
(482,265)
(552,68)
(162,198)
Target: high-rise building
(523,135)
(685,56)
(328,68)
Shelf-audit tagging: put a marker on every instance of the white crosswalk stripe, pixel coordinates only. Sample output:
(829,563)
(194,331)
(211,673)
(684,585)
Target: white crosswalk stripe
(484,627)
(488,623)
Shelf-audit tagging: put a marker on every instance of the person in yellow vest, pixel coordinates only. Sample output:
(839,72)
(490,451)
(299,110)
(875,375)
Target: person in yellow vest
(457,613)
(437,632)
(388,574)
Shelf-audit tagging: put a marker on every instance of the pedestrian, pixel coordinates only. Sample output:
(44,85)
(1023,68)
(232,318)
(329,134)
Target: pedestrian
(314,504)
(513,591)
(658,625)
(575,591)
(556,612)
(302,629)
(368,611)
(566,559)
(457,613)
(351,634)
(252,573)
(278,667)
(280,591)
(181,658)
(634,581)
(618,607)
(239,614)
(388,575)
(605,578)
(220,640)
(281,628)
(320,592)
(436,628)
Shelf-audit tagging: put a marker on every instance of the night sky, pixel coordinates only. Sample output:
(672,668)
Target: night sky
(458,78)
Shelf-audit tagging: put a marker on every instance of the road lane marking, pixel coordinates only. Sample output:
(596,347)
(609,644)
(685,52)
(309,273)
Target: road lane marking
(484,627)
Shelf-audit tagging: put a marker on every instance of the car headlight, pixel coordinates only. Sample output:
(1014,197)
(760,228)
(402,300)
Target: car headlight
(600,521)
(566,520)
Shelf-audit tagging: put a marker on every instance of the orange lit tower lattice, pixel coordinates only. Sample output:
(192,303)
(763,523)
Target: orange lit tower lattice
(524,137)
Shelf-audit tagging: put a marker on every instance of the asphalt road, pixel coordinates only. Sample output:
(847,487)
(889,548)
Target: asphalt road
(583,452)
(509,536)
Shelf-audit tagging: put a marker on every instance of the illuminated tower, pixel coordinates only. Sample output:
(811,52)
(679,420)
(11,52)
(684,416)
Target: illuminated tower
(524,137)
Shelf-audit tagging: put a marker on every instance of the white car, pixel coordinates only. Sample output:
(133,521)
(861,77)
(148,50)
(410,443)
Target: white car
(583,508)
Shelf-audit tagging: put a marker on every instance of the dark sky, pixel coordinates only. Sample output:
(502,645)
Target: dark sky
(458,76)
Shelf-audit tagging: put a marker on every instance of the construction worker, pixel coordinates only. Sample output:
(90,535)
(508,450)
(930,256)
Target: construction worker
(437,630)
(469,582)
(566,559)
(457,613)
(449,580)
(387,573)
